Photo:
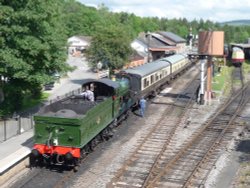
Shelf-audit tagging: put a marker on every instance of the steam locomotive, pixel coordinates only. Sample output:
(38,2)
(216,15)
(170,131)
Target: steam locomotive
(68,129)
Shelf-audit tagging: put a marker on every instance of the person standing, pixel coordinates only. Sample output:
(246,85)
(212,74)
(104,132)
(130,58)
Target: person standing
(90,95)
(142,104)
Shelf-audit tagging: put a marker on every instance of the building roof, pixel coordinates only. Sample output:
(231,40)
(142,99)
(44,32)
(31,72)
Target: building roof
(136,56)
(167,48)
(152,41)
(241,45)
(139,46)
(84,38)
(173,37)
(79,40)
(163,39)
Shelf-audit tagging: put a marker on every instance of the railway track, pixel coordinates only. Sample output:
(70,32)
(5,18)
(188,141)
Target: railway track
(192,164)
(157,162)
(158,145)
(46,177)
(237,76)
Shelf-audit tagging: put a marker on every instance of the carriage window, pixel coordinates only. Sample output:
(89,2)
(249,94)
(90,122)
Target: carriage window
(156,77)
(145,82)
(151,79)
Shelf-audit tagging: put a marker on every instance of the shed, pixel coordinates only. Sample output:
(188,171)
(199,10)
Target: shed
(177,41)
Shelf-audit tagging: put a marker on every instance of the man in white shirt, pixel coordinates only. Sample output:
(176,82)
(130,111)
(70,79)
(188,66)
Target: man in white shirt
(90,95)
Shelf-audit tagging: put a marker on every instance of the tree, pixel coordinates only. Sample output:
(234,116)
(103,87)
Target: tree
(32,42)
(79,19)
(111,46)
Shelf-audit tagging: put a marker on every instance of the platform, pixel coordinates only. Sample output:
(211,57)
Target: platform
(14,150)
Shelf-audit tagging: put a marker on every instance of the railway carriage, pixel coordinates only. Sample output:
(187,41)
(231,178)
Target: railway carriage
(148,79)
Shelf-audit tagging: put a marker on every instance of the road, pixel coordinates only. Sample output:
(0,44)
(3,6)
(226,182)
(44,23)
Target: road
(73,79)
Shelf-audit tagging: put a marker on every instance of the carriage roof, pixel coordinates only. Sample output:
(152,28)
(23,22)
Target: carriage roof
(152,67)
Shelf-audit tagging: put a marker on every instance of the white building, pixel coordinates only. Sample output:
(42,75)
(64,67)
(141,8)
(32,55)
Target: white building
(78,43)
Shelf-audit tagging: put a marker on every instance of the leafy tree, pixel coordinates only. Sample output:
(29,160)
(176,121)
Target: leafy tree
(111,46)
(32,42)
(79,19)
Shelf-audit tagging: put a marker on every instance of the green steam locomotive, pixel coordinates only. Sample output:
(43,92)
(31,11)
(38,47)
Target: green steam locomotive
(68,129)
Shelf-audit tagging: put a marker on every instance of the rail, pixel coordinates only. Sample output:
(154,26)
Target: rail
(214,134)
(164,131)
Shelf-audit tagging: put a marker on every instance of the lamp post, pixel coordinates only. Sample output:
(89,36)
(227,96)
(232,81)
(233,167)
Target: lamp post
(99,67)
(148,37)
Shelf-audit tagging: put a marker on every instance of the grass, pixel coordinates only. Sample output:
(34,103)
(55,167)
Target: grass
(246,67)
(29,102)
(244,175)
(222,80)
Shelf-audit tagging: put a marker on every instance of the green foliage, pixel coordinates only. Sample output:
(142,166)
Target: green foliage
(30,101)
(32,41)
(13,98)
(111,46)
(34,33)
(246,68)
(78,18)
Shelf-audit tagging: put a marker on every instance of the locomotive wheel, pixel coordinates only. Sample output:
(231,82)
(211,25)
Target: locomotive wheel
(84,153)
(110,132)
(104,135)
(75,168)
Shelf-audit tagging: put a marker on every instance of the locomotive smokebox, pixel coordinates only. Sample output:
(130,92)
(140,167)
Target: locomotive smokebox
(211,43)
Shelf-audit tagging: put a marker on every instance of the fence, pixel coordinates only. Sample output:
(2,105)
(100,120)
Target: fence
(15,126)
(22,122)
(71,93)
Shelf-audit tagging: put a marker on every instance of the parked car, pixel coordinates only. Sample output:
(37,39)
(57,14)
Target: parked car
(49,86)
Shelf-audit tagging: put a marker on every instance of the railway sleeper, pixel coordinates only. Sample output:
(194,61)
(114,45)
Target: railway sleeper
(170,183)
(183,167)
(175,178)
(219,129)
(150,149)
(135,172)
(123,184)
(190,162)
(196,151)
